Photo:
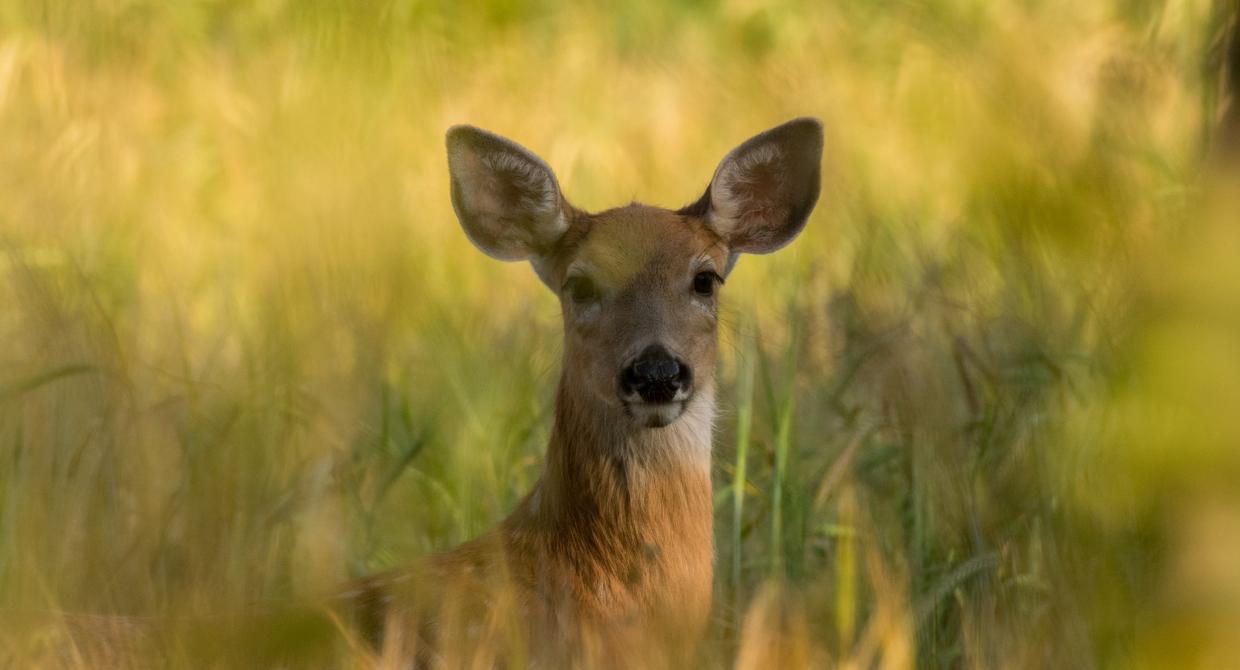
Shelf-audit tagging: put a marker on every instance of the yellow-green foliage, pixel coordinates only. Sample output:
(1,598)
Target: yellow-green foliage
(987,398)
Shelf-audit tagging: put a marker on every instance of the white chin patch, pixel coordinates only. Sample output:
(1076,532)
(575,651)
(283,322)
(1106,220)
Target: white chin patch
(652,415)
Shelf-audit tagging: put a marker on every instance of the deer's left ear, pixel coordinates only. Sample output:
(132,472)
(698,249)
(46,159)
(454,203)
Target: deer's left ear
(763,191)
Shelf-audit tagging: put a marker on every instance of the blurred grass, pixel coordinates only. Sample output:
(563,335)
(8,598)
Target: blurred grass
(984,410)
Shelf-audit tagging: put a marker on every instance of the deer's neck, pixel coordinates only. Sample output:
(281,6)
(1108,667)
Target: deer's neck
(602,467)
(627,511)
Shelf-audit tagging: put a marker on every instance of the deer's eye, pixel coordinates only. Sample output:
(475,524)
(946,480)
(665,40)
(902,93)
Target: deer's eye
(580,290)
(704,283)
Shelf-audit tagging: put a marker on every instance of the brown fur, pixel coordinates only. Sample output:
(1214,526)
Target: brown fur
(609,559)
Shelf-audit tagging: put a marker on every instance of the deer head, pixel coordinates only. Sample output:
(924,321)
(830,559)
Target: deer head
(638,285)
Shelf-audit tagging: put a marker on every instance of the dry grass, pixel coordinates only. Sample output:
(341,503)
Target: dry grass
(985,405)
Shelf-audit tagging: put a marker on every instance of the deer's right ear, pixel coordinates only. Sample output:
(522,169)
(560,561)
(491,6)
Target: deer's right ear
(506,198)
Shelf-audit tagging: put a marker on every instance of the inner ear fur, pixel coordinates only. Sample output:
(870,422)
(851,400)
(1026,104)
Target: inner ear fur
(764,190)
(507,199)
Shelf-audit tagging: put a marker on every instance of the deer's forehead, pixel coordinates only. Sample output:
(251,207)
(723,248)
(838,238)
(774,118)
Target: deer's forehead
(643,240)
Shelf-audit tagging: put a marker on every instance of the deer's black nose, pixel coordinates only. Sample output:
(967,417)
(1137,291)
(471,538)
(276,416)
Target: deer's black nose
(655,375)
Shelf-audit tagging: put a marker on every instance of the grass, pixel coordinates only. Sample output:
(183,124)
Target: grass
(979,415)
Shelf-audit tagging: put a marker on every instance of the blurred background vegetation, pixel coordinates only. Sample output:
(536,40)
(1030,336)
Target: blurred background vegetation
(983,413)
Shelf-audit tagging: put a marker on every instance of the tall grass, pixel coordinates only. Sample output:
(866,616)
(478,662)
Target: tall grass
(979,414)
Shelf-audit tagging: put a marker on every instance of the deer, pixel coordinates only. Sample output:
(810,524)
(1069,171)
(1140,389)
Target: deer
(608,560)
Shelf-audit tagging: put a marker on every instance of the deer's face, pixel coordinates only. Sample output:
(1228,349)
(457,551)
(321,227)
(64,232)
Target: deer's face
(638,285)
(639,293)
